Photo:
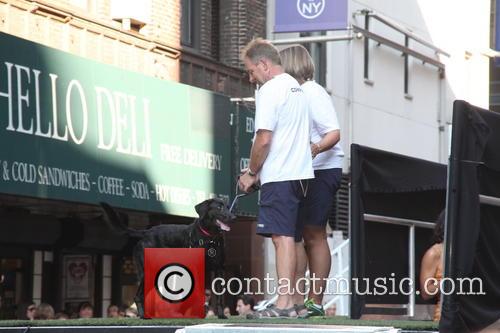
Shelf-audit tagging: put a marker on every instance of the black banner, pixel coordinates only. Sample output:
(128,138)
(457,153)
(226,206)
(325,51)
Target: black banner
(473,229)
(391,185)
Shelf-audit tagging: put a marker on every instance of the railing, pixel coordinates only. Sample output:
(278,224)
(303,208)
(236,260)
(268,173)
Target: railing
(488,200)
(411,224)
(265,303)
(404,48)
(342,300)
(396,26)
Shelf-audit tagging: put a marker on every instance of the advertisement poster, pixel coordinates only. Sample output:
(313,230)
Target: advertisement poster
(77,269)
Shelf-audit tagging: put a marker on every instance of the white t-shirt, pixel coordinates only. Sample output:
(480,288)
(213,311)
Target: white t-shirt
(323,120)
(281,107)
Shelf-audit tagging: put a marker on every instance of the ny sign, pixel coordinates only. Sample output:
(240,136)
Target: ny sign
(310,15)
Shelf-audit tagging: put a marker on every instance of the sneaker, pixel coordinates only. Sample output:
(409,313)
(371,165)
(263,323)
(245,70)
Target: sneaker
(313,309)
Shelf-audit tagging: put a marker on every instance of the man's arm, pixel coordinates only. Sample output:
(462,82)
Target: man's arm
(260,149)
(258,154)
(328,141)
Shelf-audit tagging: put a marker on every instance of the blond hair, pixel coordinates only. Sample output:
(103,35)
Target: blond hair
(297,62)
(44,311)
(260,48)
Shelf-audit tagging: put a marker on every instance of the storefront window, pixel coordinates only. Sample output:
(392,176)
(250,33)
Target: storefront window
(11,279)
(128,279)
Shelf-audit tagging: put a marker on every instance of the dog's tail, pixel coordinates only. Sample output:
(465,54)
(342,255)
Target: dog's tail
(116,223)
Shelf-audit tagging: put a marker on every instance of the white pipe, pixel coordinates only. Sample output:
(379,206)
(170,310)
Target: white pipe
(488,200)
(312,39)
(411,269)
(398,221)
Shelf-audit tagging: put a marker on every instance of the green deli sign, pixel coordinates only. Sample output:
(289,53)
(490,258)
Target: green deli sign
(77,130)
(243,133)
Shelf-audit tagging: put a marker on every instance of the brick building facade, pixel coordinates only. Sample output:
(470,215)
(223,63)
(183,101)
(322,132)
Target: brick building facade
(195,42)
(94,29)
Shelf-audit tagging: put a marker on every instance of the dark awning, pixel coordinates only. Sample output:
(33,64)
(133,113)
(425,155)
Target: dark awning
(29,229)
(389,185)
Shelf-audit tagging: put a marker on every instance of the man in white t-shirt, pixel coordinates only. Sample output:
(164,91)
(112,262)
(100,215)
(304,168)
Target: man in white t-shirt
(281,159)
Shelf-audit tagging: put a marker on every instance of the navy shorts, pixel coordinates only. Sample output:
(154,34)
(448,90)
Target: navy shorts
(279,207)
(317,204)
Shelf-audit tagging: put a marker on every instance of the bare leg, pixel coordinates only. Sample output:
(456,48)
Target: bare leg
(300,272)
(285,268)
(318,254)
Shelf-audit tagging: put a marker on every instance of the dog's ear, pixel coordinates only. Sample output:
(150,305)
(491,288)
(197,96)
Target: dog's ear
(202,208)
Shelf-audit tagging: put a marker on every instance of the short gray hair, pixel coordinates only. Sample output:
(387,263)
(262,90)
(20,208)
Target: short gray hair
(260,48)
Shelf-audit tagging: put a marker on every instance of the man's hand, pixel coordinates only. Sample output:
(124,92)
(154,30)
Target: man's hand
(246,182)
(315,149)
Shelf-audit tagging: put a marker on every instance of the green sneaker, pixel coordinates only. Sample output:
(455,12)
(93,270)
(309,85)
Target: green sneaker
(313,309)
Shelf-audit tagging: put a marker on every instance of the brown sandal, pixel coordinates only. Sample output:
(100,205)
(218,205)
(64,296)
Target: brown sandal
(273,312)
(301,310)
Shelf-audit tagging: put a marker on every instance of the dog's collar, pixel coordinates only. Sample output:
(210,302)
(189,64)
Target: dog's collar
(205,240)
(203,231)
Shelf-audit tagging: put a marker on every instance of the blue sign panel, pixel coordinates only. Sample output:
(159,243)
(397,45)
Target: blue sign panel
(310,15)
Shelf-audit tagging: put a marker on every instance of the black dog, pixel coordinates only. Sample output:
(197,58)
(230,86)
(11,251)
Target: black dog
(205,232)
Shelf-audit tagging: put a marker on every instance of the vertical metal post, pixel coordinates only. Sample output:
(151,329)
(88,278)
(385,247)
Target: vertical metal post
(236,155)
(406,65)
(411,269)
(366,43)
(356,234)
(341,268)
